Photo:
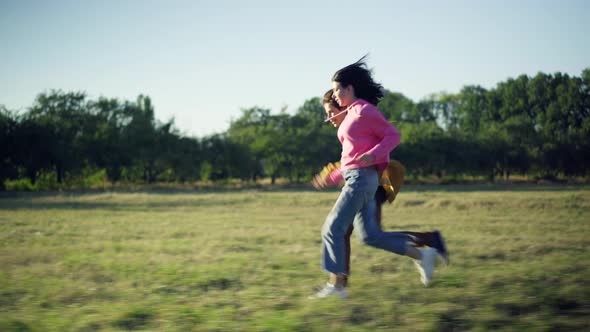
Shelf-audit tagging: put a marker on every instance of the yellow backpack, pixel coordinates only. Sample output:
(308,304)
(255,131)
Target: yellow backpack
(392,179)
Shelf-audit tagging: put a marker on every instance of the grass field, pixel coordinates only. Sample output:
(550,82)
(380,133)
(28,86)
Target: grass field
(227,261)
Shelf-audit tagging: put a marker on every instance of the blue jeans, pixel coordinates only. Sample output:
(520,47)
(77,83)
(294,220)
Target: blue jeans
(356,204)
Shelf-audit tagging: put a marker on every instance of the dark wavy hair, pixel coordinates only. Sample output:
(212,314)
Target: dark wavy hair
(329,99)
(359,76)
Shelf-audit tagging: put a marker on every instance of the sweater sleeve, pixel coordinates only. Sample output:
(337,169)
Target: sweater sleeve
(390,136)
(335,177)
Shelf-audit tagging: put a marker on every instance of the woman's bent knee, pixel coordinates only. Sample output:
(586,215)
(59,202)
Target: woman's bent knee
(370,240)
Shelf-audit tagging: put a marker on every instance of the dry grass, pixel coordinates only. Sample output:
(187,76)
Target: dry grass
(247,260)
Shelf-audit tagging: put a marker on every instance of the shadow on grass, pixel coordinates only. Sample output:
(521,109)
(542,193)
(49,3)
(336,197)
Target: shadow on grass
(14,326)
(495,187)
(68,200)
(135,320)
(146,200)
(30,204)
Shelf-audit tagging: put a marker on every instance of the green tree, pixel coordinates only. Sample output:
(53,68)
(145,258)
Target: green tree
(8,145)
(251,130)
(62,115)
(108,149)
(396,107)
(314,141)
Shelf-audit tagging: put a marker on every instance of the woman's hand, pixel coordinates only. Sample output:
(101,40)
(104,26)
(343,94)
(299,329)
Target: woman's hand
(319,182)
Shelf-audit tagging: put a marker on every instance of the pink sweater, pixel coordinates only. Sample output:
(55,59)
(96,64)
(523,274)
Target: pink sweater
(364,130)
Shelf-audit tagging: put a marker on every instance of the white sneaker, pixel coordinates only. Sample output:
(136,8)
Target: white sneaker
(426,265)
(330,290)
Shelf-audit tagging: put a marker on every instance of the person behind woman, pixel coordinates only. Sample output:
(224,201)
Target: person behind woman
(389,185)
(367,138)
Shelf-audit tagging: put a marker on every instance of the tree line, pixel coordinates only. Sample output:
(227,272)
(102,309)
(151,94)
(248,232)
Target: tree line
(537,126)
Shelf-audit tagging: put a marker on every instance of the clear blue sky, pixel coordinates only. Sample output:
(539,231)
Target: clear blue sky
(202,61)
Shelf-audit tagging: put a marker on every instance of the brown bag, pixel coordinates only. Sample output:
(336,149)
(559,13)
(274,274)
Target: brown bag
(392,179)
